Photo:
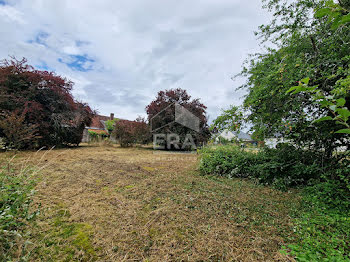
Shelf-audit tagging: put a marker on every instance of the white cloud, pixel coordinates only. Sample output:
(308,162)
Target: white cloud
(121,53)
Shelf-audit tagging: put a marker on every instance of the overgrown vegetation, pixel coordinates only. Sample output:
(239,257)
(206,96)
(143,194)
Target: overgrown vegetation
(37,108)
(129,203)
(299,89)
(97,136)
(305,77)
(282,167)
(129,133)
(16,190)
(322,223)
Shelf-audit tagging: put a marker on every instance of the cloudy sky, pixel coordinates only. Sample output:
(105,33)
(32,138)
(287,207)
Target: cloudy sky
(120,53)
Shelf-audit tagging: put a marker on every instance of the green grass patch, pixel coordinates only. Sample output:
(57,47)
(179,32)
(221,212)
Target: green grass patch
(16,190)
(62,240)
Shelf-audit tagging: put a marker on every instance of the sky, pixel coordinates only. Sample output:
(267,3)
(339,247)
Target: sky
(120,53)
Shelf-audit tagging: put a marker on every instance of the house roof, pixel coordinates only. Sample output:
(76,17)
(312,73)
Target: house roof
(239,135)
(98,122)
(243,136)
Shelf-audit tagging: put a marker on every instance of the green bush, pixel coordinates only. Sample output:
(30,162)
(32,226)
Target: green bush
(15,199)
(227,161)
(282,167)
(286,166)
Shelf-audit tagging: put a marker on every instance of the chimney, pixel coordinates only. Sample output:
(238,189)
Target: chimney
(112,116)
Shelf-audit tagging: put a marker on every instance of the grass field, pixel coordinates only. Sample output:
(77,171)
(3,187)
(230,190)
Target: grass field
(114,204)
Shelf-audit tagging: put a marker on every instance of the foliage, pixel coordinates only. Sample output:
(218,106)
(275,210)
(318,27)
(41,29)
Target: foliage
(311,41)
(110,124)
(16,190)
(164,123)
(17,133)
(228,161)
(322,225)
(96,135)
(142,131)
(282,167)
(224,141)
(334,103)
(230,119)
(132,132)
(2,144)
(42,103)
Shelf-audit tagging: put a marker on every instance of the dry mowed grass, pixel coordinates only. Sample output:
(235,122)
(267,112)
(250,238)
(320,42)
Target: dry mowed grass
(114,204)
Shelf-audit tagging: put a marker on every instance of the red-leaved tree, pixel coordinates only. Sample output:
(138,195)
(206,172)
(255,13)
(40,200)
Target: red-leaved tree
(162,108)
(43,101)
(129,133)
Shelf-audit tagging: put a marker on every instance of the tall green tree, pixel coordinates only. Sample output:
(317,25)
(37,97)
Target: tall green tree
(309,45)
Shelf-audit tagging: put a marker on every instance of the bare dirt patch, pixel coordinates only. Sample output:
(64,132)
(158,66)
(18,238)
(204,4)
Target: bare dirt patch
(114,204)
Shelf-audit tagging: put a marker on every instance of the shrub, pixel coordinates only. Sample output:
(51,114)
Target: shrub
(228,161)
(287,166)
(282,167)
(110,124)
(124,132)
(97,136)
(129,133)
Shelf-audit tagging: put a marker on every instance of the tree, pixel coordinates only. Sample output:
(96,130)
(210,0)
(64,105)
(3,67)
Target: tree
(164,122)
(129,133)
(142,131)
(110,124)
(17,132)
(44,101)
(231,119)
(337,16)
(307,46)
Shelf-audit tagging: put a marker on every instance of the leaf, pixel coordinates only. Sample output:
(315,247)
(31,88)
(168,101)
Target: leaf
(345,19)
(293,88)
(333,107)
(343,131)
(344,113)
(336,23)
(305,80)
(325,118)
(325,103)
(322,12)
(341,102)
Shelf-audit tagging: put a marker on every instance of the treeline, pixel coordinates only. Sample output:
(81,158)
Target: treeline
(37,108)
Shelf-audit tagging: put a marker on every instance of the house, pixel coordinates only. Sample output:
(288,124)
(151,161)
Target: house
(234,136)
(275,139)
(97,125)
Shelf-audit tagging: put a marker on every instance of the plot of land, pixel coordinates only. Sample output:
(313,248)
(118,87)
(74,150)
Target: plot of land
(114,204)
